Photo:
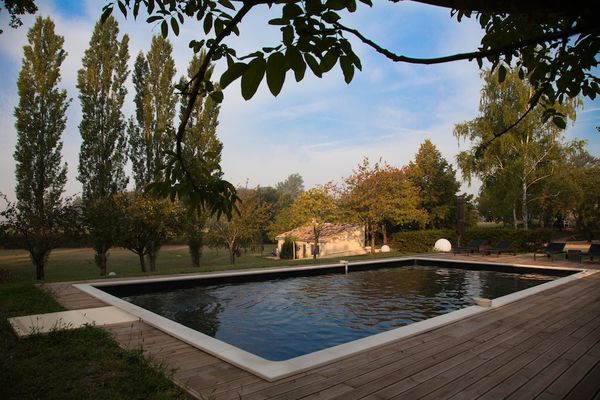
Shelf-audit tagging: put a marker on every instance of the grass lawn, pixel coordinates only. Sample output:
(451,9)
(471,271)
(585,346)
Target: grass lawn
(88,363)
(78,264)
(78,364)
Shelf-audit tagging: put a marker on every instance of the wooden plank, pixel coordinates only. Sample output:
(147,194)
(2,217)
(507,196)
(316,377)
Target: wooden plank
(588,387)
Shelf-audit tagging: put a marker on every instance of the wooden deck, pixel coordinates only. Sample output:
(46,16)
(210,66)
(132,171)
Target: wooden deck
(546,346)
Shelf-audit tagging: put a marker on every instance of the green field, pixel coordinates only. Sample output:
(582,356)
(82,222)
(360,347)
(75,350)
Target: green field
(78,264)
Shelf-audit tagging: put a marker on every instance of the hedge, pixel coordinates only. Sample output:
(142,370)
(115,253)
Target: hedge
(423,241)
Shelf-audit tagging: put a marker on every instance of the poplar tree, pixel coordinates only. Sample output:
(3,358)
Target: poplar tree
(103,154)
(152,135)
(40,121)
(202,152)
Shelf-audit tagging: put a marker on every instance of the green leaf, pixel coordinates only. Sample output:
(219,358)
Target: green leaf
(227,3)
(278,21)
(347,68)
(207,23)
(313,64)
(219,26)
(252,77)
(328,61)
(295,62)
(501,73)
(164,28)
(175,26)
(106,11)
(288,35)
(560,122)
(276,70)
(291,10)
(336,4)
(330,17)
(123,8)
(217,96)
(233,72)
(154,18)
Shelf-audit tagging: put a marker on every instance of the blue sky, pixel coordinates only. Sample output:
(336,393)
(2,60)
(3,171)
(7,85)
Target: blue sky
(320,128)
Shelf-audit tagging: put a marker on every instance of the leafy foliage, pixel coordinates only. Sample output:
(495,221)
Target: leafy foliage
(244,227)
(423,241)
(152,134)
(16,8)
(40,121)
(103,153)
(145,224)
(202,153)
(436,180)
(380,194)
(520,160)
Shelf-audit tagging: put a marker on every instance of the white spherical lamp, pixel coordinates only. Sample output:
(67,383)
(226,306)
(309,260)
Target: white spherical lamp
(442,245)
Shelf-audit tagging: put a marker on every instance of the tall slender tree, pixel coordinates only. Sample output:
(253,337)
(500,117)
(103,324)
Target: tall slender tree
(202,154)
(153,134)
(40,121)
(103,154)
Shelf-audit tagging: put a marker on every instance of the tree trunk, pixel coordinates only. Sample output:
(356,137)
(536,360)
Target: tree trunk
(142,261)
(152,256)
(372,233)
(195,245)
(39,270)
(384,233)
(232,254)
(40,259)
(315,250)
(525,214)
(101,258)
(515,224)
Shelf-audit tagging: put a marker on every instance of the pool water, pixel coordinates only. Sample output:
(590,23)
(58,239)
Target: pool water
(283,318)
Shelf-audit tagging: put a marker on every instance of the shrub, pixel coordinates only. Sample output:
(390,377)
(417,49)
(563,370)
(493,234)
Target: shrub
(287,250)
(423,241)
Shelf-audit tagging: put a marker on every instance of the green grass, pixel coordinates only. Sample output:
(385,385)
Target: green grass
(78,364)
(78,264)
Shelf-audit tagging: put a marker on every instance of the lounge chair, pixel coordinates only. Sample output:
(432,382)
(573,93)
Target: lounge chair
(503,246)
(593,251)
(471,247)
(551,250)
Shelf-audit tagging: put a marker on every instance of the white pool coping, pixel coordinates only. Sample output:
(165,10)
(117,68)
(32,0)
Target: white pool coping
(73,319)
(273,370)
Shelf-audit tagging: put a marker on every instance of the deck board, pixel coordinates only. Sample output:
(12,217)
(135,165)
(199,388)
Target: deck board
(546,346)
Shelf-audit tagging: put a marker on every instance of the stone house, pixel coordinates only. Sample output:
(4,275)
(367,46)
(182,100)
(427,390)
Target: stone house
(335,240)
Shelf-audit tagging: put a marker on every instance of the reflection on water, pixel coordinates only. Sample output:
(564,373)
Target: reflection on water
(285,318)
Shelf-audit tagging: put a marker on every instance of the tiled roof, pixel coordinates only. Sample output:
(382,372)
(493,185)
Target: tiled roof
(329,231)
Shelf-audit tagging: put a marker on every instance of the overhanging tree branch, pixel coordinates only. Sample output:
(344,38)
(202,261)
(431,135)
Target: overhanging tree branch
(480,54)
(197,81)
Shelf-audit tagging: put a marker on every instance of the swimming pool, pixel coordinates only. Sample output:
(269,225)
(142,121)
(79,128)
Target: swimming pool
(278,322)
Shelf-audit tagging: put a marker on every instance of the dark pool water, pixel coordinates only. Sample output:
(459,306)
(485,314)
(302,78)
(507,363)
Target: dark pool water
(284,318)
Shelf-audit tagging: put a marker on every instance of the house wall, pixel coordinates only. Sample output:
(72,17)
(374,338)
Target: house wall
(350,244)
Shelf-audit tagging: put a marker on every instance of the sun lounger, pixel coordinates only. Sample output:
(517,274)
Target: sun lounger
(551,250)
(593,251)
(471,247)
(503,246)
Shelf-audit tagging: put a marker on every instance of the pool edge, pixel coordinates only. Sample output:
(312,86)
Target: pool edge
(275,370)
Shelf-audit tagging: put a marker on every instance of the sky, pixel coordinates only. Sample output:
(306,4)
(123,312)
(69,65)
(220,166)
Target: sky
(319,128)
